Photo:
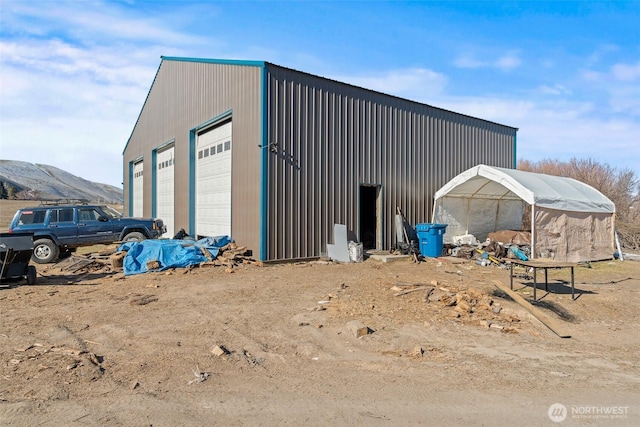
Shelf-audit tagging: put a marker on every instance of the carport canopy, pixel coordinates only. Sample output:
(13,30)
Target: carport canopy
(567,215)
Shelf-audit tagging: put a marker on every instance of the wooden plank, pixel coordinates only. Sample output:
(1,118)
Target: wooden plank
(550,323)
(408,291)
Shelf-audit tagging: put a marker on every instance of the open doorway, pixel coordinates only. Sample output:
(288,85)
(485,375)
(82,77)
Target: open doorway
(370,220)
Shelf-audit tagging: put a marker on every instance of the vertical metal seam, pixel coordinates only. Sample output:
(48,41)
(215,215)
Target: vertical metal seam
(264,173)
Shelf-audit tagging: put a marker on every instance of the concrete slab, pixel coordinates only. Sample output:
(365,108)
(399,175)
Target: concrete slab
(385,256)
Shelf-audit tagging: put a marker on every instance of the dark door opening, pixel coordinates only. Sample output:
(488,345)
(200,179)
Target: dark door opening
(369,216)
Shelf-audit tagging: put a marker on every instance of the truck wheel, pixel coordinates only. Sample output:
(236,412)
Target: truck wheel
(32,275)
(134,237)
(44,251)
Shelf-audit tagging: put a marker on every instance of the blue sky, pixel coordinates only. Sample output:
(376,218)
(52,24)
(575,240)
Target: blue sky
(74,75)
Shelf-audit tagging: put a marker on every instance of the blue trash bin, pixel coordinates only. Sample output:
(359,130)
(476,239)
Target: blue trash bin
(430,237)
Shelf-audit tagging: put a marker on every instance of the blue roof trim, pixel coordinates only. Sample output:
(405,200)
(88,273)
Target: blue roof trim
(216,61)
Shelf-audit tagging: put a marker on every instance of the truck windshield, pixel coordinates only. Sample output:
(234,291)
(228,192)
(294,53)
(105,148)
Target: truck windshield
(111,212)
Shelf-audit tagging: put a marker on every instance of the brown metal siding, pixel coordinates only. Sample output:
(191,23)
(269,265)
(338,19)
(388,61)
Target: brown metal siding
(185,95)
(332,137)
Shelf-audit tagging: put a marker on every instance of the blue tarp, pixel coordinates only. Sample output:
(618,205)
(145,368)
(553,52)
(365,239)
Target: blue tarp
(169,253)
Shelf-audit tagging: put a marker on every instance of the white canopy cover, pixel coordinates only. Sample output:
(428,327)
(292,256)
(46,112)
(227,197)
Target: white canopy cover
(571,221)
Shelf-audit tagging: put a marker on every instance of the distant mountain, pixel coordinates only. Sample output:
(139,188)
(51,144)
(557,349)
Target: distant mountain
(44,182)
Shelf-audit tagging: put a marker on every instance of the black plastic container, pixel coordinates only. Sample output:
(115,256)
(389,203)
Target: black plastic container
(15,253)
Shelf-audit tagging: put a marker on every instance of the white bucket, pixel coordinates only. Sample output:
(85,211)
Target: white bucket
(356,252)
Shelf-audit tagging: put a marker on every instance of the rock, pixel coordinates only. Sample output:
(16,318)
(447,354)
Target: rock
(153,265)
(358,329)
(463,307)
(117,259)
(435,296)
(416,352)
(485,323)
(485,303)
(496,326)
(496,309)
(448,300)
(219,351)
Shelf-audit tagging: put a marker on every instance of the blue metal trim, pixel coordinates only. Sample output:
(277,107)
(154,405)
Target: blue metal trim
(130,213)
(193,153)
(216,61)
(154,179)
(515,146)
(216,119)
(166,144)
(192,181)
(264,163)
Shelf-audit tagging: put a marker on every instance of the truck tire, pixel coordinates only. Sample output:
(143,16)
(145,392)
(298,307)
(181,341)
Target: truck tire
(44,251)
(134,236)
(32,275)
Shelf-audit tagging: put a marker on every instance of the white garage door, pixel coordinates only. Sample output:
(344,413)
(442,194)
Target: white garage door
(165,189)
(138,190)
(213,182)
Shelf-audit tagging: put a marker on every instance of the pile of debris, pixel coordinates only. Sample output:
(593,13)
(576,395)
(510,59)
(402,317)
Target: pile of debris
(499,247)
(76,268)
(469,304)
(230,255)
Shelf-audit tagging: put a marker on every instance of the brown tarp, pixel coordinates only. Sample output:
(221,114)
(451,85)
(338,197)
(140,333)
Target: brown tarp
(510,236)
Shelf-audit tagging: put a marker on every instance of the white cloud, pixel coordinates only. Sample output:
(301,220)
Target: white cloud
(413,83)
(91,22)
(505,62)
(626,72)
(556,89)
(469,62)
(560,130)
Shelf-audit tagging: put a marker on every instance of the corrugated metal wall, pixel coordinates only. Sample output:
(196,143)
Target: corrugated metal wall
(332,137)
(329,138)
(185,95)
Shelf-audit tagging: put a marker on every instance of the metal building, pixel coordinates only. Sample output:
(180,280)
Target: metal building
(274,157)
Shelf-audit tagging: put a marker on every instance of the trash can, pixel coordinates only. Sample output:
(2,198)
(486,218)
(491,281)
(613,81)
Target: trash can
(430,237)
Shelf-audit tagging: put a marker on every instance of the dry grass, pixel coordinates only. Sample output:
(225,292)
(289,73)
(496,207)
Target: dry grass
(8,209)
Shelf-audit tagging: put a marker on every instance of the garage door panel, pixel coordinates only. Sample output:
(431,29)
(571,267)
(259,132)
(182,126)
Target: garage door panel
(138,189)
(165,188)
(213,182)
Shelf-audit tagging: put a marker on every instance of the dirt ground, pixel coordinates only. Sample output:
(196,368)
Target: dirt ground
(275,345)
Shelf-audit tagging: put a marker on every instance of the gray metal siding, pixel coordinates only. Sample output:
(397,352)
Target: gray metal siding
(332,137)
(186,95)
